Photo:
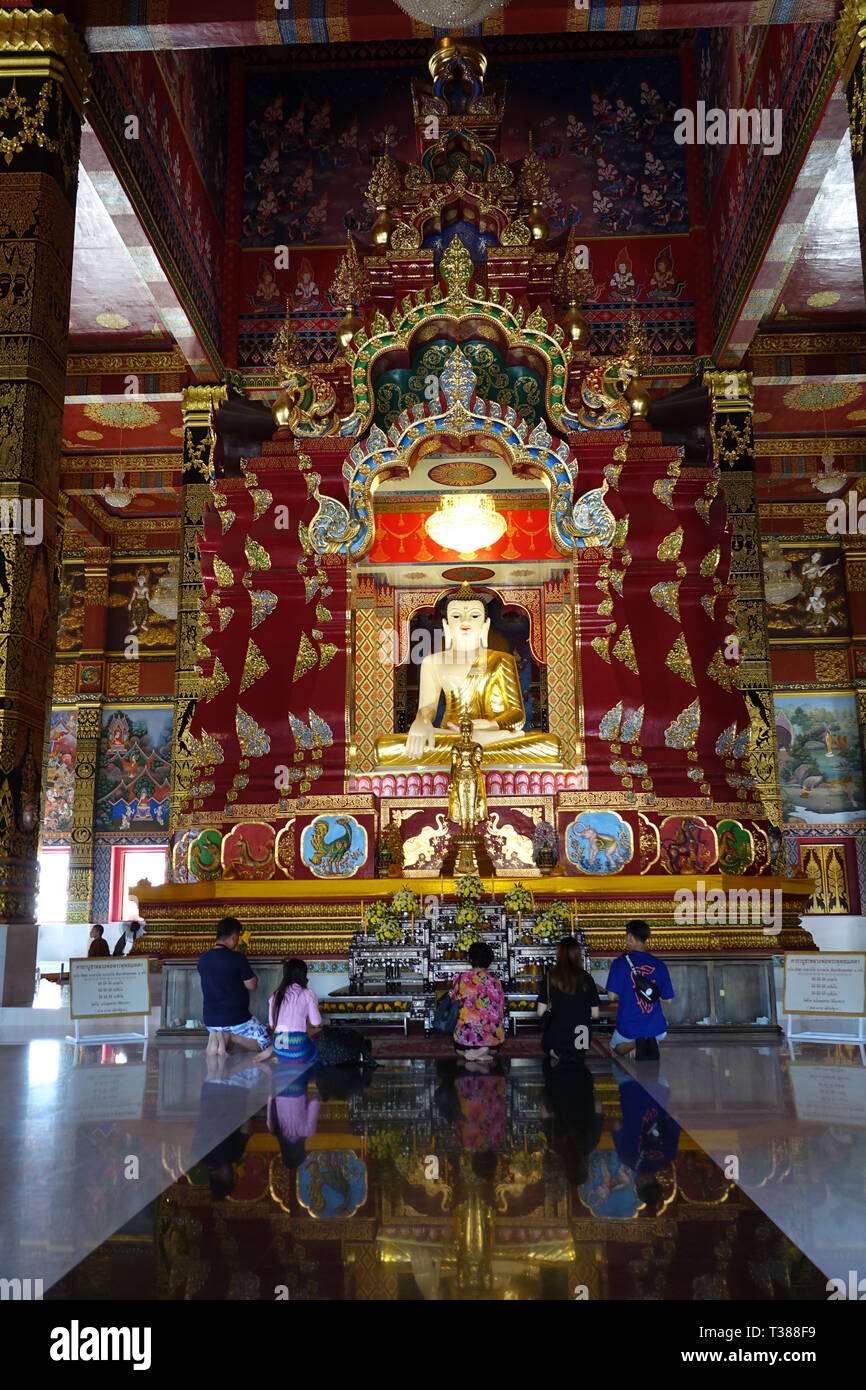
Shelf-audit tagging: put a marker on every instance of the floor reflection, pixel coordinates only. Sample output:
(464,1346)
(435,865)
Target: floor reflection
(420,1180)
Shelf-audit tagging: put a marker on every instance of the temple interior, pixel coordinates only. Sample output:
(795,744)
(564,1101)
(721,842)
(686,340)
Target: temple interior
(430,520)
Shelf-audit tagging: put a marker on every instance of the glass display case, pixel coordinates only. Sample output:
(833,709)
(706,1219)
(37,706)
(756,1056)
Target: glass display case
(181,993)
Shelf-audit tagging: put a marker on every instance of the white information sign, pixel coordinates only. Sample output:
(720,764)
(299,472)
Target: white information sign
(825,983)
(108,987)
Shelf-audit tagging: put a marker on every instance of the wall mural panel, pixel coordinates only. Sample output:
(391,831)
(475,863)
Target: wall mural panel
(821,607)
(70,610)
(142,603)
(60,771)
(820,758)
(134,770)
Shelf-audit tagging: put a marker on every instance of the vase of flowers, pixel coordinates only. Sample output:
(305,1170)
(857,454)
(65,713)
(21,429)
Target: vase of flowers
(469,889)
(547,927)
(545,848)
(382,922)
(469,928)
(405,904)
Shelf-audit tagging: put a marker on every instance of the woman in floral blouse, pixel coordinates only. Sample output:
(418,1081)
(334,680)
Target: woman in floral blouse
(481,1022)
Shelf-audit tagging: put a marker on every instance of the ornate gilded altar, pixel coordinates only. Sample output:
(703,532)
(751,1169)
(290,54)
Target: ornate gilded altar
(620,716)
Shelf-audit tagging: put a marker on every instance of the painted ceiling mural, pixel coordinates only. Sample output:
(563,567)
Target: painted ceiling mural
(197,79)
(605,130)
(177,195)
(787,74)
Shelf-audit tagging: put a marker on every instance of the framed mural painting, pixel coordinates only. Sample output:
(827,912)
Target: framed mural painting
(133,777)
(820,757)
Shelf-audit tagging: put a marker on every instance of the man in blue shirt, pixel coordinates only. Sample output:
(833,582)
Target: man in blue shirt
(227,979)
(630,978)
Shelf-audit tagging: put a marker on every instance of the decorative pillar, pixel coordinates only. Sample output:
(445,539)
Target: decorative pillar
(43,77)
(376,654)
(80,882)
(734,451)
(564,699)
(850,47)
(199,404)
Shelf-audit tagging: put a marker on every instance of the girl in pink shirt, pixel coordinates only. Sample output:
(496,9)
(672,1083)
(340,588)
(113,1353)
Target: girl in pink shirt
(293,1013)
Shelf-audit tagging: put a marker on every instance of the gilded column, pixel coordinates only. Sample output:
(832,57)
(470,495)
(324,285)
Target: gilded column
(199,404)
(43,77)
(376,655)
(850,47)
(80,882)
(564,706)
(734,449)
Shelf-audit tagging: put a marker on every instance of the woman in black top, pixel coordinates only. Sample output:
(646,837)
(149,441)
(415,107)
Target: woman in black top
(568,1003)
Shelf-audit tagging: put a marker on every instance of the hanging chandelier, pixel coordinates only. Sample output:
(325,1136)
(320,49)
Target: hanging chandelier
(117,494)
(451,14)
(831,479)
(465,523)
(780,584)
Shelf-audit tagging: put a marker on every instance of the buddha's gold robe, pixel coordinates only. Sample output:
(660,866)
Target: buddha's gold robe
(490,690)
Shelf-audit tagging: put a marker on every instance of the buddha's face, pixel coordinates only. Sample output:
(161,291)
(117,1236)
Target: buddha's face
(465,625)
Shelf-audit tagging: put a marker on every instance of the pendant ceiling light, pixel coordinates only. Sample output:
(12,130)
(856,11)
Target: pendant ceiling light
(451,14)
(465,523)
(830,479)
(118,494)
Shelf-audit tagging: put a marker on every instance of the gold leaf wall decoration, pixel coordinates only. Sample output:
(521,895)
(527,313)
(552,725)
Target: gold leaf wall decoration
(679,661)
(624,650)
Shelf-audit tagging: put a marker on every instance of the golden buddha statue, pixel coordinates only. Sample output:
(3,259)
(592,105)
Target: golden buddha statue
(478,684)
(467,800)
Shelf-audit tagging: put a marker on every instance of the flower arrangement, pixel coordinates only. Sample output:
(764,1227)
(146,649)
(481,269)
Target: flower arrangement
(518,899)
(405,901)
(382,923)
(468,915)
(468,936)
(561,911)
(547,927)
(469,889)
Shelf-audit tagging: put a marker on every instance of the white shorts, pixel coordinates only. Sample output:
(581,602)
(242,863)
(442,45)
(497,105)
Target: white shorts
(617,1037)
(251,1029)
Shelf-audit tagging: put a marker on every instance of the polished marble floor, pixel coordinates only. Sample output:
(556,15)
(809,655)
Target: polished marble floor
(726,1171)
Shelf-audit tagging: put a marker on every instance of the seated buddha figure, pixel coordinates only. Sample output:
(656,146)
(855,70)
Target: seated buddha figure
(478,684)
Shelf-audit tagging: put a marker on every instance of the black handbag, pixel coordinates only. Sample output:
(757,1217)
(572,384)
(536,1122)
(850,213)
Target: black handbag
(644,986)
(446,1014)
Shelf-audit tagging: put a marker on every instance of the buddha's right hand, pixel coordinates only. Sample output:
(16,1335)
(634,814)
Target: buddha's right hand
(420,737)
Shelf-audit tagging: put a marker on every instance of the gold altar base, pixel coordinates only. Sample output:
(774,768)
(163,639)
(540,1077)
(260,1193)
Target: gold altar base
(313,917)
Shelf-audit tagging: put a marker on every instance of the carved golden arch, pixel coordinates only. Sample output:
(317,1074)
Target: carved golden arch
(458,415)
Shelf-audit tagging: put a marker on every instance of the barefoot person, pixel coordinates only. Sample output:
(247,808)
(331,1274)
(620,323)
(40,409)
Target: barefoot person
(227,980)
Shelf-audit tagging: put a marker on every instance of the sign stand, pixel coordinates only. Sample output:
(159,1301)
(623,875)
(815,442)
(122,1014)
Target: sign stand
(93,1038)
(825,985)
(109,988)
